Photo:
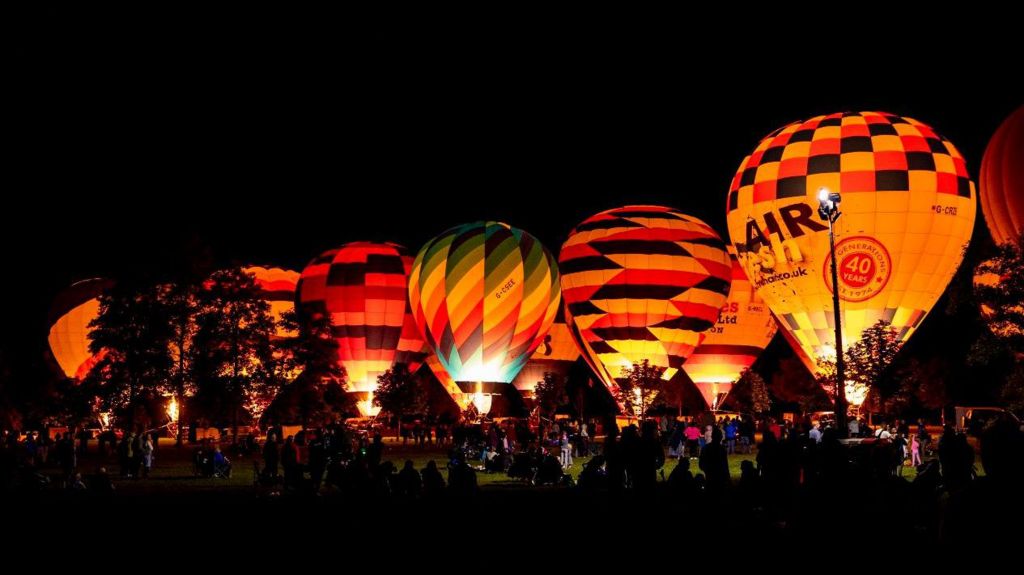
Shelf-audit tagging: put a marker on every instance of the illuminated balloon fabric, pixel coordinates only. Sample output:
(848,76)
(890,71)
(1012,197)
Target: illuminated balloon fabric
(70,315)
(908,208)
(588,355)
(556,354)
(462,399)
(643,282)
(1002,180)
(311,289)
(278,287)
(484,295)
(365,296)
(745,327)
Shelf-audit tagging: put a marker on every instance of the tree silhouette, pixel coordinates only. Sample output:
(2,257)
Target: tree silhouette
(639,386)
(182,306)
(234,355)
(399,392)
(1003,300)
(550,394)
(1003,303)
(870,362)
(792,383)
(750,393)
(133,332)
(313,391)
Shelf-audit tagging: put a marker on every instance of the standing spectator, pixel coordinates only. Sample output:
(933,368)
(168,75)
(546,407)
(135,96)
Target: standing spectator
(271,456)
(915,450)
(566,446)
(147,455)
(692,434)
(714,462)
(290,462)
(731,430)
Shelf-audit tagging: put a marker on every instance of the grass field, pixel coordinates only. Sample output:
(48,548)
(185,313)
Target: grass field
(172,471)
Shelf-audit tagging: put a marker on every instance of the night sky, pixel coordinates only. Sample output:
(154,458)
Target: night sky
(134,153)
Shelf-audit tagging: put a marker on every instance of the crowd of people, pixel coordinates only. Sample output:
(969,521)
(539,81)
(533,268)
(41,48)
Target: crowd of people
(784,466)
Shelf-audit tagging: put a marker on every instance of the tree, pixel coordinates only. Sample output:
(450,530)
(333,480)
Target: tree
(792,383)
(926,381)
(182,305)
(132,331)
(870,361)
(1002,299)
(550,394)
(314,388)
(1013,391)
(10,416)
(750,393)
(1003,303)
(639,386)
(235,362)
(399,392)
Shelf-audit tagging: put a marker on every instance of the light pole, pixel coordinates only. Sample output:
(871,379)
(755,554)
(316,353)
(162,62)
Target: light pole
(828,209)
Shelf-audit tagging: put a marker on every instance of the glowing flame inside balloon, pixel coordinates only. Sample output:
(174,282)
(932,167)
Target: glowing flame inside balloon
(482,401)
(367,408)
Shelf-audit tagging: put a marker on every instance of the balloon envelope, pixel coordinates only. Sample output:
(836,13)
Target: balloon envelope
(744,328)
(556,354)
(642,282)
(365,297)
(311,289)
(907,206)
(484,295)
(70,315)
(1002,180)
(278,288)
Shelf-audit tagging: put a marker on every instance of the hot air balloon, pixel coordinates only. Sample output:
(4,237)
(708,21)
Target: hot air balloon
(311,289)
(744,328)
(484,295)
(642,282)
(907,207)
(461,399)
(1002,180)
(556,354)
(278,287)
(70,315)
(364,294)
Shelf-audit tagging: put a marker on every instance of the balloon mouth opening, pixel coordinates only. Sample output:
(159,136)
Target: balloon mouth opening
(492,387)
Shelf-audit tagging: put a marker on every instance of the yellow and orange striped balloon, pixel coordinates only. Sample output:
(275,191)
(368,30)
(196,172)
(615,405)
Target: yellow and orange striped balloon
(642,283)
(556,354)
(278,288)
(744,328)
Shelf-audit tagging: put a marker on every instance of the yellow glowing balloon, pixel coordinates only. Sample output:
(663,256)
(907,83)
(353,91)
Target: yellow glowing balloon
(744,328)
(555,354)
(70,315)
(278,287)
(908,209)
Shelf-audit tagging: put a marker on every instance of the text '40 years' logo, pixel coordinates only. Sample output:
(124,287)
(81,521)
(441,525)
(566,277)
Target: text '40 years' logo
(864,268)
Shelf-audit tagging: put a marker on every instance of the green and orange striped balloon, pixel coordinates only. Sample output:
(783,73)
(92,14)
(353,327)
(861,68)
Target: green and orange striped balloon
(484,295)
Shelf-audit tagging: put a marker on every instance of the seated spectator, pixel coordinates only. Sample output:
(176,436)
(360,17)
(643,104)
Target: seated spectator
(221,465)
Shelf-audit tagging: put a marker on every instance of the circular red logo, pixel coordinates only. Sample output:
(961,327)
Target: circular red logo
(864,268)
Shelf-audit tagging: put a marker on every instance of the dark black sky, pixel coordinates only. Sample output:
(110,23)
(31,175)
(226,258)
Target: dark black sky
(268,145)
